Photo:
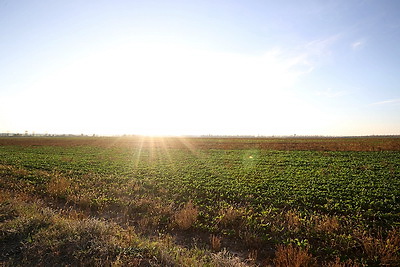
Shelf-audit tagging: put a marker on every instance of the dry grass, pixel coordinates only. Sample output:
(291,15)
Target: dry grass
(32,234)
(325,223)
(293,220)
(252,257)
(187,216)
(215,242)
(59,186)
(250,239)
(384,251)
(338,263)
(226,259)
(123,260)
(4,195)
(10,179)
(145,224)
(230,216)
(291,256)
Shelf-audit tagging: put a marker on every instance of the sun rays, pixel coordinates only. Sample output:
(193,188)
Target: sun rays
(158,149)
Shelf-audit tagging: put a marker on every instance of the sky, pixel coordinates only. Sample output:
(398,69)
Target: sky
(205,67)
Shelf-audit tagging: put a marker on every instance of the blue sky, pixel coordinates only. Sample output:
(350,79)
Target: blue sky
(200,67)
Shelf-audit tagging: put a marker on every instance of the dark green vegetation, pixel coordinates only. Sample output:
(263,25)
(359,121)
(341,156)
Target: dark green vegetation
(144,201)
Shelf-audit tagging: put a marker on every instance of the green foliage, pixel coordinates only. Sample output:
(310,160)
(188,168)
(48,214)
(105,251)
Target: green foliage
(260,196)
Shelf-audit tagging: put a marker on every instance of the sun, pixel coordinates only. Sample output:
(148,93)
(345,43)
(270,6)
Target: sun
(166,89)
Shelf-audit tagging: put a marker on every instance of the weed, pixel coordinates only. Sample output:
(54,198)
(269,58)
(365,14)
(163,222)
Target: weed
(379,250)
(187,216)
(325,223)
(292,256)
(293,220)
(230,216)
(215,242)
(338,263)
(225,258)
(59,186)
(252,256)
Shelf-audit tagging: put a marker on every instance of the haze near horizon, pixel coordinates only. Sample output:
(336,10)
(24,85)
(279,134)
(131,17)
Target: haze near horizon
(198,68)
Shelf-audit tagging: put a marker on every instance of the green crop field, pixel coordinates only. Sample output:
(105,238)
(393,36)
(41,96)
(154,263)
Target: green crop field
(200,201)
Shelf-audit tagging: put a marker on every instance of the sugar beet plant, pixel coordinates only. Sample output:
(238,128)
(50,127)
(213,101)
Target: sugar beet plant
(336,205)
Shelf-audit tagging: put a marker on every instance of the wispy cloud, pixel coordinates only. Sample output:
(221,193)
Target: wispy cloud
(321,47)
(386,102)
(358,44)
(320,50)
(305,58)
